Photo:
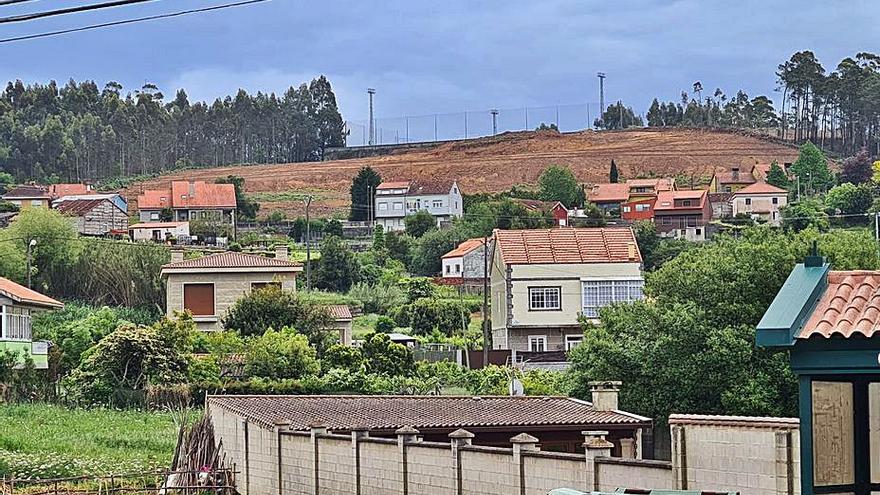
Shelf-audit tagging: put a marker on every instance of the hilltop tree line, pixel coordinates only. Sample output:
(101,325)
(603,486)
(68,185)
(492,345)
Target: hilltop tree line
(82,132)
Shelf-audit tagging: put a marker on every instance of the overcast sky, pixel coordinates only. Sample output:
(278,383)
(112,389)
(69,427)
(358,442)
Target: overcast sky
(428,57)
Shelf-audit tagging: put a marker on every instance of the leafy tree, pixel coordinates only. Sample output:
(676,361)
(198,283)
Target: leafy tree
(646,238)
(431,246)
(559,184)
(811,168)
(363,190)
(385,357)
(6,181)
(545,127)
(384,324)
(333,227)
(857,169)
(875,172)
(850,249)
(505,214)
(446,316)
(418,224)
(420,288)
(777,177)
(280,355)
(343,357)
(618,116)
(400,246)
(338,268)
(57,244)
(272,307)
(655,115)
(803,214)
(667,249)
(614,175)
(849,199)
(246,207)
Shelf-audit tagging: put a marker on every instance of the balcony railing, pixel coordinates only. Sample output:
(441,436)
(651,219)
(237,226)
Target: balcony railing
(16,327)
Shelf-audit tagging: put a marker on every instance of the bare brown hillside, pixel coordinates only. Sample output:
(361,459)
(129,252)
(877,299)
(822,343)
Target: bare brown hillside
(497,163)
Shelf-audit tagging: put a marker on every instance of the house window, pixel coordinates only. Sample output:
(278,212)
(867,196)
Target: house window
(383,206)
(572,341)
(699,231)
(263,285)
(154,215)
(398,205)
(748,201)
(537,343)
(775,201)
(199,299)
(600,293)
(686,202)
(643,207)
(448,269)
(437,203)
(544,299)
(667,221)
(36,202)
(457,268)
(626,209)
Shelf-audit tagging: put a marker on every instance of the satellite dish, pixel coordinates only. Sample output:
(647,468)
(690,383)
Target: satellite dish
(515,387)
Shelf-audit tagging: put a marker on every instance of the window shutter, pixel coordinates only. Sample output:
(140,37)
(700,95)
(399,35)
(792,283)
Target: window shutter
(199,299)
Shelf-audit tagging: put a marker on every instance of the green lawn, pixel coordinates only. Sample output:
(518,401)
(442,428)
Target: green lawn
(43,441)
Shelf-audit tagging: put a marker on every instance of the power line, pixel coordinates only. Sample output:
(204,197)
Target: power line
(131,21)
(69,10)
(10,2)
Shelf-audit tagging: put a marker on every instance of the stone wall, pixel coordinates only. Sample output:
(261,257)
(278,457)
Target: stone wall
(746,455)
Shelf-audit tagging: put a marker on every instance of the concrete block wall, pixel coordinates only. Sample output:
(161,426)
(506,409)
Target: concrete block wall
(545,471)
(634,473)
(431,469)
(488,470)
(381,470)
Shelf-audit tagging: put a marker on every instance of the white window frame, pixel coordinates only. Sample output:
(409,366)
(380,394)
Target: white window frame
(398,205)
(607,291)
(542,339)
(154,215)
(36,202)
(383,206)
(547,293)
(573,340)
(437,203)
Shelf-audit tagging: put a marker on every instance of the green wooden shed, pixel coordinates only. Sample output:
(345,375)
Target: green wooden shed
(829,321)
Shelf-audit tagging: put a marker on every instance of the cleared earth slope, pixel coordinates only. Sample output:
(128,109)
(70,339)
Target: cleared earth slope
(496,163)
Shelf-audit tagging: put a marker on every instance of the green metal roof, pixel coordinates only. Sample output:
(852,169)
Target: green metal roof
(793,305)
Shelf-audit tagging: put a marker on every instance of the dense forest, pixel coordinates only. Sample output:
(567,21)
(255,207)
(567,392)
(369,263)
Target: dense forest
(837,110)
(81,132)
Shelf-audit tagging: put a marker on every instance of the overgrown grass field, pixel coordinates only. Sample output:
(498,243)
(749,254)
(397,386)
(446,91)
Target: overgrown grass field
(45,441)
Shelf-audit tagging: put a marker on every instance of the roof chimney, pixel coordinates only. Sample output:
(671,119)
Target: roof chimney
(281,252)
(605,395)
(631,250)
(192,189)
(176,255)
(814,260)
(734,172)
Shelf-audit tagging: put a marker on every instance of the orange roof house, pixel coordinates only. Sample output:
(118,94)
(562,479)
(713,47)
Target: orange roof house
(544,281)
(189,200)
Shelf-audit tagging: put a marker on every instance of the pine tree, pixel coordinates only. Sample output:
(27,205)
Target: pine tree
(776,176)
(614,175)
(363,190)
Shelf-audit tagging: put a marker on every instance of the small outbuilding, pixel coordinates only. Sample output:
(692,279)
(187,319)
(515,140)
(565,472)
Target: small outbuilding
(95,217)
(158,231)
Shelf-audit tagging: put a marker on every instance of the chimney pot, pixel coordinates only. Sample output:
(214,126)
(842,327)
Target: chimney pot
(192,189)
(605,394)
(177,255)
(631,250)
(281,252)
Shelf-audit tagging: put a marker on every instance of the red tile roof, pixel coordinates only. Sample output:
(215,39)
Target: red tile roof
(744,177)
(187,194)
(464,248)
(231,259)
(200,194)
(27,191)
(394,185)
(609,193)
(390,412)
(568,245)
(22,294)
(80,207)
(850,305)
(659,184)
(156,225)
(666,199)
(430,187)
(59,190)
(760,188)
(340,312)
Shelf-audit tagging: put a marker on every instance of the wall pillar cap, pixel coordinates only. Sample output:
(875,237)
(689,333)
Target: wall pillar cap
(406,431)
(596,440)
(461,434)
(605,384)
(524,438)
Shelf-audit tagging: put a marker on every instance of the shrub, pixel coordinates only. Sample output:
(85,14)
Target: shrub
(343,357)
(204,369)
(385,357)
(448,316)
(384,324)
(419,223)
(419,288)
(279,355)
(377,298)
(338,268)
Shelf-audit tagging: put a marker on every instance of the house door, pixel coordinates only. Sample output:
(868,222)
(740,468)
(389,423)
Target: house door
(845,418)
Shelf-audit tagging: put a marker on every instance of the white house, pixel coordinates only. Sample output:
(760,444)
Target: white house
(544,280)
(761,201)
(158,231)
(465,262)
(394,201)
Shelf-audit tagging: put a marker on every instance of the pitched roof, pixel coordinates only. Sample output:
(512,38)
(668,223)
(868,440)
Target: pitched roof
(728,177)
(340,312)
(156,225)
(80,207)
(659,183)
(568,245)
(58,190)
(27,191)
(22,294)
(438,186)
(666,200)
(609,193)
(760,188)
(231,259)
(464,248)
(538,205)
(850,305)
(393,185)
(192,194)
(390,412)
(189,194)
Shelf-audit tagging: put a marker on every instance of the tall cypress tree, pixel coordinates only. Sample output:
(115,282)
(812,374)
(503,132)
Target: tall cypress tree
(614,175)
(363,190)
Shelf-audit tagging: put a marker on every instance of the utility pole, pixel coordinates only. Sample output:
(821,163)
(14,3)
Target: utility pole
(370,208)
(30,247)
(371,92)
(308,202)
(485,301)
(465,124)
(601,95)
(494,113)
(620,107)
